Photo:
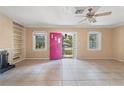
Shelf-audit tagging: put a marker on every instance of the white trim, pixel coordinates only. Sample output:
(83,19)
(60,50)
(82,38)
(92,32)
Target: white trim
(118,25)
(74,26)
(118,59)
(33,40)
(18,61)
(107,58)
(24,43)
(99,41)
(75,45)
(36,58)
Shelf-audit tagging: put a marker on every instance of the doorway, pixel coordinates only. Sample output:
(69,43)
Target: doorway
(55,45)
(63,45)
(69,45)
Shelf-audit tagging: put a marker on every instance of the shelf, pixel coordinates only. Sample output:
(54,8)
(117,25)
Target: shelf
(18,43)
(19,50)
(18,39)
(18,34)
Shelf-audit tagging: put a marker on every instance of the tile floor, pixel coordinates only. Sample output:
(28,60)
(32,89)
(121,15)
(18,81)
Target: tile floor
(65,72)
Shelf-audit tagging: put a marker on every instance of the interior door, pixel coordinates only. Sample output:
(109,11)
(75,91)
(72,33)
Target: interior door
(55,45)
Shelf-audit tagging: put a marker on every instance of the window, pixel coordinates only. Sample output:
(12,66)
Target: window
(94,41)
(39,41)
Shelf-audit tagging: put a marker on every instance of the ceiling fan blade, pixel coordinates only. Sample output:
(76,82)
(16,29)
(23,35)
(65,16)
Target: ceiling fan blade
(102,14)
(80,16)
(82,20)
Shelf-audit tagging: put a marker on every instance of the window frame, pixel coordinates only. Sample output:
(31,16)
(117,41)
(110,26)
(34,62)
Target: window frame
(99,40)
(34,34)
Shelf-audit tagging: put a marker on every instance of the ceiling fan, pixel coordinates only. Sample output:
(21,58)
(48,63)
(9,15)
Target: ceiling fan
(91,15)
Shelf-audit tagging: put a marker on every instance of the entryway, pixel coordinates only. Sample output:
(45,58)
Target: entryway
(62,45)
(69,45)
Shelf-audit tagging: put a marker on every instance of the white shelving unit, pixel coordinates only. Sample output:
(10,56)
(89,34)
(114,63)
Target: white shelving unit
(19,43)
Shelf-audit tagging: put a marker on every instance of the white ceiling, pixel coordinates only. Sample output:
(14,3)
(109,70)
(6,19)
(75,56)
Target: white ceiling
(51,16)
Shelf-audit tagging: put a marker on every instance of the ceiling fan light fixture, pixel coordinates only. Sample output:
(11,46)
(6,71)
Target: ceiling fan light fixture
(92,20)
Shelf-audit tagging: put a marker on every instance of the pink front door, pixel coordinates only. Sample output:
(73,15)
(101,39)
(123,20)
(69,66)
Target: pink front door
(55,45)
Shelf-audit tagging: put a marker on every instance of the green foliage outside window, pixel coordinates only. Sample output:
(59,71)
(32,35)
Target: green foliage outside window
(93,40)
(67,41)
(40,42)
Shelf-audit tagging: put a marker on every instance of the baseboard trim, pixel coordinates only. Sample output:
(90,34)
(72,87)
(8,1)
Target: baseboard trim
(118,59)
(19,61)
(102,59)
(95,58)
(36,58)
(76,58)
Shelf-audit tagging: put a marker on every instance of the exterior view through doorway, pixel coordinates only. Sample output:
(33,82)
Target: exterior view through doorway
(63,45)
